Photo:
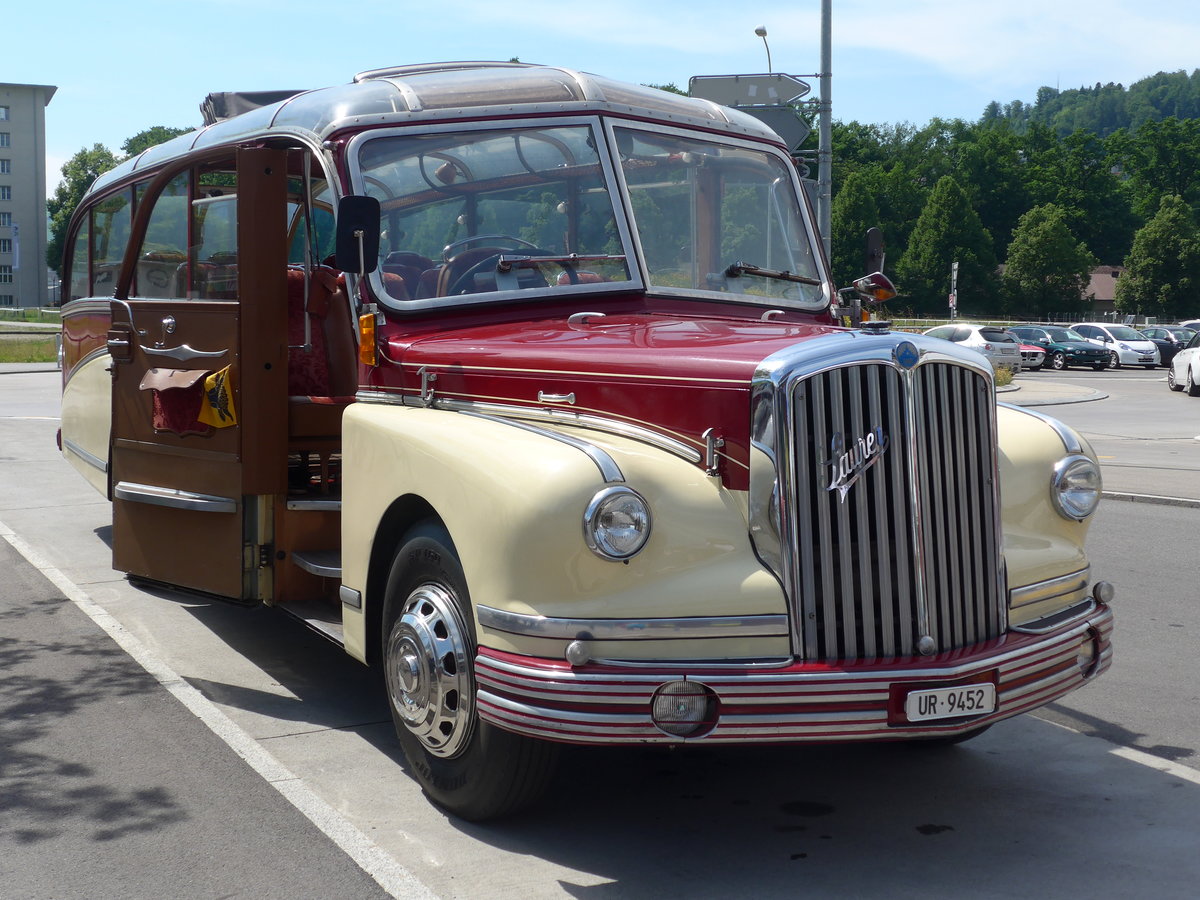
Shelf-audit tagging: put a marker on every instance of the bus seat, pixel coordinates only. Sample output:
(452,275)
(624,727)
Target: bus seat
(324,379)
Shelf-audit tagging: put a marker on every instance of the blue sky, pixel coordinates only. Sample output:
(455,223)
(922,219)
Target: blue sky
(123,67)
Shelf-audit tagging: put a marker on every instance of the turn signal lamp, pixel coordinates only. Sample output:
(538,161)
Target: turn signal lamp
(366,339)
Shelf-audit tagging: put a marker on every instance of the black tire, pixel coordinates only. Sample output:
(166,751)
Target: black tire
(1116,360)
(1100,368)
(1151,368)
(1058,360)
(469,767)
(1171,382)
(1193,389)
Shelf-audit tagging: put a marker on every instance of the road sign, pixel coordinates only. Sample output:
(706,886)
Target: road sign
(783,120)
(772,89)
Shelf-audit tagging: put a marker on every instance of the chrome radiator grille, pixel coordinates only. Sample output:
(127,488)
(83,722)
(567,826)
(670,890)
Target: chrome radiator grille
(893,511)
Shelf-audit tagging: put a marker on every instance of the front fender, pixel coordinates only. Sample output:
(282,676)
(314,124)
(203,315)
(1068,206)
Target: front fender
(1040,545)
(513,501)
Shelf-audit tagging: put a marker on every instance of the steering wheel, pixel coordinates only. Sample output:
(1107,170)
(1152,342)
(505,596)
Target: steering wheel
(451,250)
(465,280)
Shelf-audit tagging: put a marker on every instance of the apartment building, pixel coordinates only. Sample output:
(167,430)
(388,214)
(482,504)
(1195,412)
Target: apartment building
(23,194)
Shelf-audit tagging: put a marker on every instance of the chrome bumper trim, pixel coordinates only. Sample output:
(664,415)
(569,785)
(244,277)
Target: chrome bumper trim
(633,629)
(1046,590)
(807,702)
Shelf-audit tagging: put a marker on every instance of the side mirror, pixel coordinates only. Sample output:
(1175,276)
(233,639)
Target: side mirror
(875,288)
(357,247)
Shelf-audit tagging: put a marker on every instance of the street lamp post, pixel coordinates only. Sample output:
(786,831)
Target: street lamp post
(761,31)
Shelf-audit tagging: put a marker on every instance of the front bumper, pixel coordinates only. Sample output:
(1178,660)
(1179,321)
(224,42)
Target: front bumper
(602,703)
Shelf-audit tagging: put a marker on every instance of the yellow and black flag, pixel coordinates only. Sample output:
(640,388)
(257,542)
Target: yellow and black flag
(218,410)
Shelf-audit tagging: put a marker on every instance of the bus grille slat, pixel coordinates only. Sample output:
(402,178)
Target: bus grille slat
(910,548)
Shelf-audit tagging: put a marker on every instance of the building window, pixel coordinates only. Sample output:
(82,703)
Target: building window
(6,275)
(6,300)
(5,166)
(5,192)
(3,113)
(5,139)
(5,245)
(5,220)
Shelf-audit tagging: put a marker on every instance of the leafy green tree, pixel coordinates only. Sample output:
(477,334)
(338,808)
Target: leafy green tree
(853,211)
(947,231)
(1159,159)
(1048,268)
(1162,271)
(78,173)
(990,165)
(144,140)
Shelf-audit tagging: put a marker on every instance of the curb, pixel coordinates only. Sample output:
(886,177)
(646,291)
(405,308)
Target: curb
(1185,502)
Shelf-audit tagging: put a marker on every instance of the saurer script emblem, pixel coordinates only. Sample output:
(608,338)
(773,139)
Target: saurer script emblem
(847,464)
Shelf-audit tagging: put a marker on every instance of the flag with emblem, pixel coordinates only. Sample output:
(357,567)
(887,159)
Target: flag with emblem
(217,409)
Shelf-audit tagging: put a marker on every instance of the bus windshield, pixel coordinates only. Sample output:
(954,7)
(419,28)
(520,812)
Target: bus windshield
(489,210)
(714,217)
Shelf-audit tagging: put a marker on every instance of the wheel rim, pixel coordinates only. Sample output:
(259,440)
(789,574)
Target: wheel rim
(1116,360)
(1171,377)
(1058,361)
(428,671)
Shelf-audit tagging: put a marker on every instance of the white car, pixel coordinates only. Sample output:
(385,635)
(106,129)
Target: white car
(1184,371)
(1002,348)
(1190,323)
(1126,346)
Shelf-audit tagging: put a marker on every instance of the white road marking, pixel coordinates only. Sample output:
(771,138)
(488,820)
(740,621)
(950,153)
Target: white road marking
(389,874)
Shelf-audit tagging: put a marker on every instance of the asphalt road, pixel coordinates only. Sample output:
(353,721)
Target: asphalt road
(157,746)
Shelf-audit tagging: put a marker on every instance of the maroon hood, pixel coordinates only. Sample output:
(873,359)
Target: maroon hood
(677,376)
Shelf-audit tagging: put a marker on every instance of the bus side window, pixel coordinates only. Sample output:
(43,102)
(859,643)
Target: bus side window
(213,252)
(78,278)
(162,270)
(111,221)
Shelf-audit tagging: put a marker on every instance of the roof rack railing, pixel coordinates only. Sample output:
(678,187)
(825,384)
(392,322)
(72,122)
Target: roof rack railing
(423,68)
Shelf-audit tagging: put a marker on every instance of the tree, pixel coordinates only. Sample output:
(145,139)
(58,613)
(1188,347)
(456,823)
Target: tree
(1048,268)
(144,140)
(1162,271)
(78,174)
(947,231)
(852,213)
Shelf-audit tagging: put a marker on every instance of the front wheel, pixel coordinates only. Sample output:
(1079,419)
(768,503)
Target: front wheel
(1116,360)
(1058,360)
(1172,381)
(469,767)
(1193,389)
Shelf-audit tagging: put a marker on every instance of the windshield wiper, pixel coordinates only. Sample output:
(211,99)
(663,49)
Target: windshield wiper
(507,263)
(744,268)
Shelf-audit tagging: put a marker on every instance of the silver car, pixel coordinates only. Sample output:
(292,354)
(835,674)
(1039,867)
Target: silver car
(1001,347)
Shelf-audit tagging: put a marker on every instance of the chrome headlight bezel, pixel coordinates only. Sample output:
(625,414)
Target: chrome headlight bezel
(1076,487)
(598,533)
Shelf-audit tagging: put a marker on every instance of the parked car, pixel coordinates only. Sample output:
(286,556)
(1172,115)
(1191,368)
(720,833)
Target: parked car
(1169,339)
(1063,346)
(1032,358)
(1190,323)
(1126,346)
(1001,348)
(1184,371)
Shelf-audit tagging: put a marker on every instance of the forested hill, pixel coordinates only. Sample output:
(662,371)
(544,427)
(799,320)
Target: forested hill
(1106,108)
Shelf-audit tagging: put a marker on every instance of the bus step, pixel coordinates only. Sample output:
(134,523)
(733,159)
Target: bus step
(325,563)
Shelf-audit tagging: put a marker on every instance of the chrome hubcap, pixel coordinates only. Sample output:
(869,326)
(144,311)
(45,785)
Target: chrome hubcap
(429,673)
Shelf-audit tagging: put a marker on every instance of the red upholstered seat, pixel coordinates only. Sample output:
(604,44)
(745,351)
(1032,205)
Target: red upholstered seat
(322,378)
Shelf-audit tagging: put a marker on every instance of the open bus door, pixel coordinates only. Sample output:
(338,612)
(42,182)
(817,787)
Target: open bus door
(199,394)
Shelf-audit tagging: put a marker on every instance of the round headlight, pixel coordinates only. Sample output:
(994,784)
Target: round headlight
(1076,487)
(616,524)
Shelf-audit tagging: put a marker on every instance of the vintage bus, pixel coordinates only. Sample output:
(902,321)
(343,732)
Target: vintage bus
(528,388)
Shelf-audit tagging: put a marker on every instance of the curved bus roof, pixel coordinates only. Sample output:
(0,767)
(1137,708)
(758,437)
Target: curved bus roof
(437,91)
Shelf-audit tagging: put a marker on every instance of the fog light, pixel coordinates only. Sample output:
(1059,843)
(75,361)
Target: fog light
(1103,591)
(684,708)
